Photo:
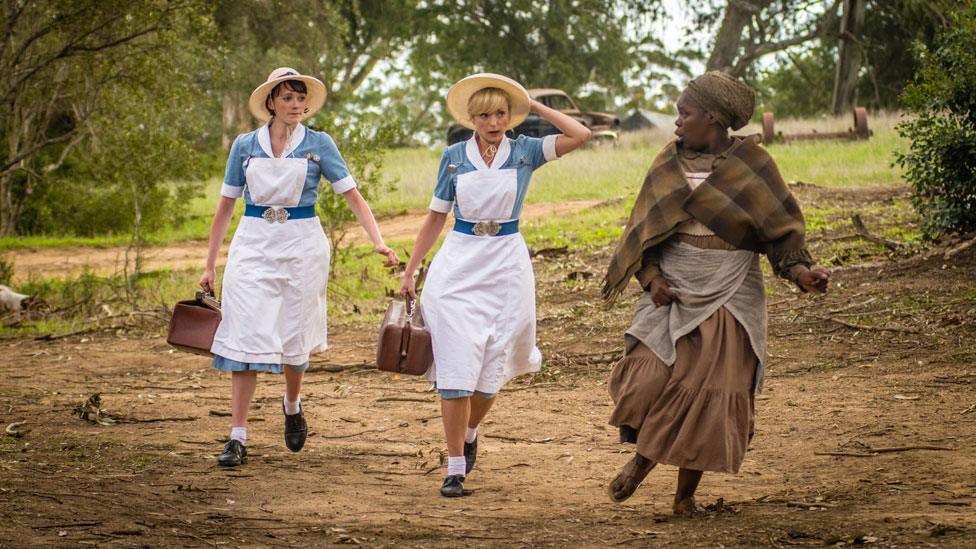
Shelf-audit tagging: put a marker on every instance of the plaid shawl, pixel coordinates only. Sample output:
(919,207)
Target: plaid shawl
(744,201)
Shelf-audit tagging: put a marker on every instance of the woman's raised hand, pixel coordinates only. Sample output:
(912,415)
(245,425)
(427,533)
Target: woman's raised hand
(408,286)
(391,256)
(814,280)
(661,293)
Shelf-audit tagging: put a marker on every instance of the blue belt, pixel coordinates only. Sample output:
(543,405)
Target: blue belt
(486,228)
(279,214)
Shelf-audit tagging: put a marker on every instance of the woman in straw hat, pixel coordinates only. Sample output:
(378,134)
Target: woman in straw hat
(479,297)
(274,309)
(694,355)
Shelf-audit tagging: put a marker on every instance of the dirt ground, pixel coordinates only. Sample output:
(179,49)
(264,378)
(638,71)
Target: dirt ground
(880,372)
(109,260)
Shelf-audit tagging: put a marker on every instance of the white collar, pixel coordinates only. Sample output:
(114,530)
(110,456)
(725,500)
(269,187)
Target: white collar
(474,154)
(264,139)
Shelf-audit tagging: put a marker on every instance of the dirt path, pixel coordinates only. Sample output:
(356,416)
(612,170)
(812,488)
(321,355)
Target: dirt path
(180,255)
(881,370)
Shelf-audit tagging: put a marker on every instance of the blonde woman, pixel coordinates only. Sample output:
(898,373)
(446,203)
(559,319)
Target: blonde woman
(274,310)
(479,297)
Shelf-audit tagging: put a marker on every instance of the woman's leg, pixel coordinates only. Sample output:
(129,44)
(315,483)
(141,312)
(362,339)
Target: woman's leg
(684,496)
(455,413)
(293,384)
(479,408)
(242,385)
(630,477)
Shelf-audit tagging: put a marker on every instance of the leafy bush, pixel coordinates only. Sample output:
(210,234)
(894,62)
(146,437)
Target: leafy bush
(941,161)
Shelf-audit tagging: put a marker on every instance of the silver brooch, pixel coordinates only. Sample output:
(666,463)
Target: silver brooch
(271,215)
(451,168)
(486,228)
(312,157)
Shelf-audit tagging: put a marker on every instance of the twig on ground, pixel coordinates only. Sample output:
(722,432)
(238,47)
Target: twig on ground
(153,420)
(967,410)
(864,327)
(863,232)
(11,429)
(336,368)
(872,452)
(366,432)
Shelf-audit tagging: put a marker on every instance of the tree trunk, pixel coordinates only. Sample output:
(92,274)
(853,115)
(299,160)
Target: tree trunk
(848,56)
(729,35)
(236,118)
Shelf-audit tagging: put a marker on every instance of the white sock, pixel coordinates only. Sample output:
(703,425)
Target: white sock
(239,434)
(292,408)
(470,434)
(455,465)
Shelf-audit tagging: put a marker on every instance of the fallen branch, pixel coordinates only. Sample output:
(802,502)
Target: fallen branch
(964,246)
(11,429)
(154,420)
(366,432)
(52,337)
(863,232)
(336,368)
(517,439)
(807,505)
(864,327)
(872,452)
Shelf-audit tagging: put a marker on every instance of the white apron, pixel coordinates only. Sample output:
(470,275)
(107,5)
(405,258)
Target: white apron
(479,296)
(273,302)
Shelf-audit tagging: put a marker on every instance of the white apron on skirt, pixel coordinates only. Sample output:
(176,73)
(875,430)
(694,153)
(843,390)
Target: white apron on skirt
(479,296)
(274,291)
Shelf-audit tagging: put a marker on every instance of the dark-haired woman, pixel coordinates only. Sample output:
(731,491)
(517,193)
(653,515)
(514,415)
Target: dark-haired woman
(710,204)
(273,302)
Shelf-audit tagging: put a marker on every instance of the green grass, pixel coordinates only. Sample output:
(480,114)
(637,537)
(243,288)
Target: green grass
(596,173)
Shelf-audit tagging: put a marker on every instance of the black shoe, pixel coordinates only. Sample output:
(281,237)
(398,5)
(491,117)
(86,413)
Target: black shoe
(470,455)
(453,486)
(234,454)
(296,430)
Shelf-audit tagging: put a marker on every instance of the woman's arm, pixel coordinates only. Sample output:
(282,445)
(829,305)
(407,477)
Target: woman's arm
(429,231)
(218,230)
(574,134)
(361,209)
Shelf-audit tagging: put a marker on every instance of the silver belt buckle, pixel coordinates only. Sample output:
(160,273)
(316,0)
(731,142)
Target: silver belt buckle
(486,228)
(271,215)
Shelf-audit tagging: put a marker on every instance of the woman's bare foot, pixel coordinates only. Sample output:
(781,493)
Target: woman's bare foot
(629,478)
(688,508)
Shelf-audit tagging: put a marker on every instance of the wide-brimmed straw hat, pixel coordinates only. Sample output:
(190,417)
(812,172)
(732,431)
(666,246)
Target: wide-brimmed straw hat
(461,92)
(315,97)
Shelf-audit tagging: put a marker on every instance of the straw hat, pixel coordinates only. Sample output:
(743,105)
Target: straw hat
(460,93)
(315,96)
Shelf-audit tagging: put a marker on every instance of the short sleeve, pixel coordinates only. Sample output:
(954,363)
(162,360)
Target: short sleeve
(443,199)
(233,186)
(334,167)
(539,151)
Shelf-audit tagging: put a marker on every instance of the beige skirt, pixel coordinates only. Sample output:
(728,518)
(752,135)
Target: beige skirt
(697,414)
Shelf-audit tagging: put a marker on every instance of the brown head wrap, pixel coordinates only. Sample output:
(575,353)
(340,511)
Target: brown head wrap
(729,100)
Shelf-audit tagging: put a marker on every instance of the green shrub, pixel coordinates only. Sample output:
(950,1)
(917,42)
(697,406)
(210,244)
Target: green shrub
(941,161)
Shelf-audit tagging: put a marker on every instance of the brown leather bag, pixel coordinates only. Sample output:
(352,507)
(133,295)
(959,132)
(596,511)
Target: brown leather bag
(404,344)
(194,323)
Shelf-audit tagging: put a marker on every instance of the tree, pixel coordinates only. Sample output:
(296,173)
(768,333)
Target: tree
(339,41)
(751,29)
(57,59)
(941,161)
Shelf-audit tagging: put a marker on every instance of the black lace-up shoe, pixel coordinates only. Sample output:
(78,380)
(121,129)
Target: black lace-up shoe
(234,454)
(453,486)
(296,430)
(470,455)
